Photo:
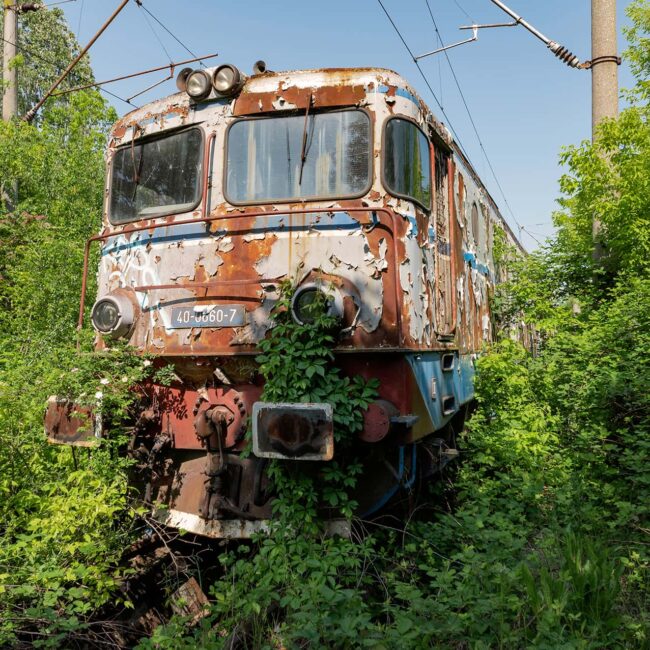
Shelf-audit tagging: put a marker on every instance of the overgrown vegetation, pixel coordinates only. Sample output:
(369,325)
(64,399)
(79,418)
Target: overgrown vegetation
(64,521)
(540,538)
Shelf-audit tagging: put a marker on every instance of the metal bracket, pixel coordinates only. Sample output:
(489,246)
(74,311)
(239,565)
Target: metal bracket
(612,58)
(449,47)
(558,50)
(405,420)
(490,25)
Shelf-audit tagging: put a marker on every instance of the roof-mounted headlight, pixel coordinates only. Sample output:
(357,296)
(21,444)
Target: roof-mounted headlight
(113,315)
(181,79)
(197,85)
(227,80)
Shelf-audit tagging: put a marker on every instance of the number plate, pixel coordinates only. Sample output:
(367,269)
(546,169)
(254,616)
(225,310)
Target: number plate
(208,316)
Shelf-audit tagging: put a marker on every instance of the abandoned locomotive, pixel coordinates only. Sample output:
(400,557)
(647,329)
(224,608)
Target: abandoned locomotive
(339,180)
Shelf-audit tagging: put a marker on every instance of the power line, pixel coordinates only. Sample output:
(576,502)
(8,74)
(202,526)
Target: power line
(426,80)
(61,2)
(155,33)
(471,119)
(463,10)
(34,55)
(530,234)
(139,3)
(81,13)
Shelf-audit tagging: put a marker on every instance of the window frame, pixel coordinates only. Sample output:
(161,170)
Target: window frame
(300,113)
(144,140)
(384,182)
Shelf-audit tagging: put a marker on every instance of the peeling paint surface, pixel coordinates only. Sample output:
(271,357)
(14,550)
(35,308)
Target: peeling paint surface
(281,245)
(332,246)
(410,279)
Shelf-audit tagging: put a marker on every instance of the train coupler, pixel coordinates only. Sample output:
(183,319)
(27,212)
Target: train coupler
(293,431)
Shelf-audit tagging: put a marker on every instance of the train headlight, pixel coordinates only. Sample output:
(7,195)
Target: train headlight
(197,85)
(181,79)
(227,80)
(306,299)
(113,315)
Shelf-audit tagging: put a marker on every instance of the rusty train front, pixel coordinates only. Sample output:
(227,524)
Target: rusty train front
(340,181)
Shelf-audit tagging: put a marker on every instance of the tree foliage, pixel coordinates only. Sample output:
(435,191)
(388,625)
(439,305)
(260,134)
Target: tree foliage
(64,520)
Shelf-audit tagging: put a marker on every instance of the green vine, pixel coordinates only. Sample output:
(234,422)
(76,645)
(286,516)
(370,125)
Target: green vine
(297,363)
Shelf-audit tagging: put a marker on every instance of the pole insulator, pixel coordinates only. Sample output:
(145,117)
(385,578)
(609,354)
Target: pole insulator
(28,6)
(565,55)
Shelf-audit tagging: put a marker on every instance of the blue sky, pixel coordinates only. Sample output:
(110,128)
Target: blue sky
(525,103)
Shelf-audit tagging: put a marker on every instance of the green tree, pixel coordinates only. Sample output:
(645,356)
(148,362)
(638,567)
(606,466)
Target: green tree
(63,522)
(45,47)
(608,180)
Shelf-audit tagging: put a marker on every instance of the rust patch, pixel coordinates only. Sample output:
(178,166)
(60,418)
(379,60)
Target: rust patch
(251,103)
(67,423)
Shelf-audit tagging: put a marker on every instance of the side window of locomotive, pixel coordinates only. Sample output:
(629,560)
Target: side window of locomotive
(284,158)
(475,225)
(156,177)
(484,227)
(407,162)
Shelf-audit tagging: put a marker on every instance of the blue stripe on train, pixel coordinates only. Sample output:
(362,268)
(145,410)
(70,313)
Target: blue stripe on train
(457,382)
(272,223)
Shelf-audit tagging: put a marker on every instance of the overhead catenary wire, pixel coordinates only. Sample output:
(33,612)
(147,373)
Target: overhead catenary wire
(81,13)
(34,55)
(451,128)
(178,40)
(425,79)
(170,66)
(463,10)
(442,99)
(471,119)
(530,234)
(155,34)
(61,2)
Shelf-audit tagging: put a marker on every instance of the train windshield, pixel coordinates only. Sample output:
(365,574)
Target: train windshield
(156,177)
(322,155)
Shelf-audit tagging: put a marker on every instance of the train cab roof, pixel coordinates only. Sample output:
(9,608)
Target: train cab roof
(268,92)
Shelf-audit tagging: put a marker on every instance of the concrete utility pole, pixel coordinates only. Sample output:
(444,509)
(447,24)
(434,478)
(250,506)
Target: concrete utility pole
(9,191)
(604,81)
(604,62)
(9,75)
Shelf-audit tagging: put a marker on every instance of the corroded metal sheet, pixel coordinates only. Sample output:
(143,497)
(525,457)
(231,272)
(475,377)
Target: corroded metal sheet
(216,528)
(241,260)
(236,528)
(435,273)
(180,406)
(70,424)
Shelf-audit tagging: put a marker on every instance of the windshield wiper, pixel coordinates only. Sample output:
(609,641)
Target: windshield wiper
(136,170)
(303,150)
